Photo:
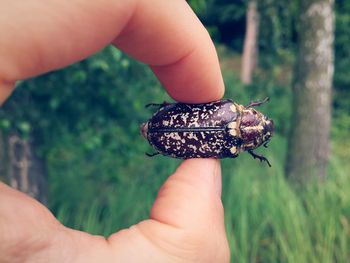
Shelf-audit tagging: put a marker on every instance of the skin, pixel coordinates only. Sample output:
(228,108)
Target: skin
(186,221)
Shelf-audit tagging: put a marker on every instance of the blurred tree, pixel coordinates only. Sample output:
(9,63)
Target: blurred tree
(20,165)
(25,170)
(308,150)
(250,49)
(277,32)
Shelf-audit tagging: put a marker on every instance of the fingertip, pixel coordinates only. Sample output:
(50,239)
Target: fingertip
(204,165)
(196,78)
(191,194)
(198,94)
(202,172)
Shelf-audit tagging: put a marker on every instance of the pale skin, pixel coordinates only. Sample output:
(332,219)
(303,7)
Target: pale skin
(186,222)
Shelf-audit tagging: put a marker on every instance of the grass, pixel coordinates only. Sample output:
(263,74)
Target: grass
(267,220)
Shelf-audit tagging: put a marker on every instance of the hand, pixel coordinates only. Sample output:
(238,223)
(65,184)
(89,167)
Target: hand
(186,221)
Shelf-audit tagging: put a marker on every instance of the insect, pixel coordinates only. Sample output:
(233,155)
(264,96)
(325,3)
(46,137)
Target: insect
(220,129)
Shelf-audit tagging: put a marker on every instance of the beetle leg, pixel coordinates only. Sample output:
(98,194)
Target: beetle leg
(265,144)
(152,154)
(260,157)
(257,103)
(157,104)
(152,105)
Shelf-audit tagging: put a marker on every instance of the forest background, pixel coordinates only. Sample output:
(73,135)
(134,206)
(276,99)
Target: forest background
(71,139)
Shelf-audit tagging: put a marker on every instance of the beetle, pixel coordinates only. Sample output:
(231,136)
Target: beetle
(219,129)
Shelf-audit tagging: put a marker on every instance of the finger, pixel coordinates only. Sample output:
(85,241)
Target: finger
(191,197)
(186,221)
(172,40)
(42,36)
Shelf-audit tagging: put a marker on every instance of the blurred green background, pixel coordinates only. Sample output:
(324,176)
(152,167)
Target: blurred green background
(86,119)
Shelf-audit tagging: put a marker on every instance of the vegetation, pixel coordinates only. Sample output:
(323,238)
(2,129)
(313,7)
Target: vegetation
(86,119)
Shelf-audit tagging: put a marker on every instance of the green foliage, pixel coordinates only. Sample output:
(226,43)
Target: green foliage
(277,26)
(219,16)
(342,62)
(226,11)
(198,6)
(342,40)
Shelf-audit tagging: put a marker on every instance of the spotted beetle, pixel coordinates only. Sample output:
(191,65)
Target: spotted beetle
(218,129)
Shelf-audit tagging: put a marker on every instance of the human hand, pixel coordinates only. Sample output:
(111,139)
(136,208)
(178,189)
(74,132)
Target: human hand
(186,221)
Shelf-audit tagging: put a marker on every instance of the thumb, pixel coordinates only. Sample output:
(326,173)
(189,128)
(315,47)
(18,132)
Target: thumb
(192,195)
(186,222)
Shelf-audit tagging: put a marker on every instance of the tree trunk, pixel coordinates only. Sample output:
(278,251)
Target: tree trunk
(250,50)
(308,150)
(25,170)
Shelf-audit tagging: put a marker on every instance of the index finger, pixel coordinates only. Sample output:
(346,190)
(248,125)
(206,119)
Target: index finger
(42,36)
(168,36)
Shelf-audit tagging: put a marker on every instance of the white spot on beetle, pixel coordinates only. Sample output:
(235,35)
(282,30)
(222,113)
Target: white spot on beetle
(193,147)
(232,125)
(184,117)
(233,108)
(234,150)
(192,135)
(257,128)
(233,128)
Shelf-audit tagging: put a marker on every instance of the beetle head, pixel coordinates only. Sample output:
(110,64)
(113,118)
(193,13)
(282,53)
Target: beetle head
(255,128)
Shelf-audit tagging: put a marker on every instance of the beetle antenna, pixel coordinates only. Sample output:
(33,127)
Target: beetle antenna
(257,103)
(260,157)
